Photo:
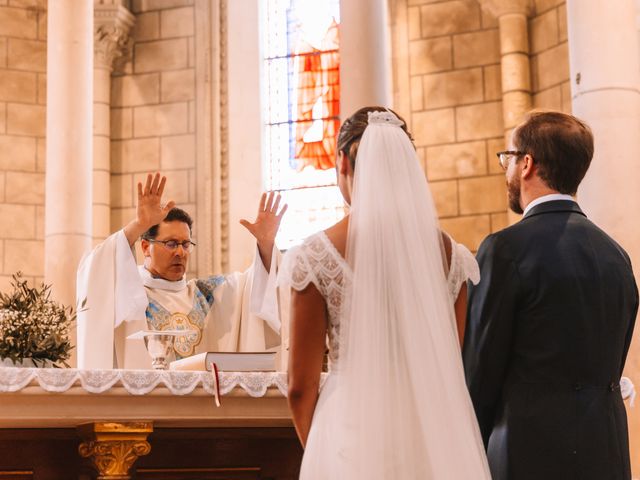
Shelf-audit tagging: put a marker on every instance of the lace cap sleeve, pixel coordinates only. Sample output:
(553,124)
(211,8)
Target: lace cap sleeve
(463,267)
(295,270)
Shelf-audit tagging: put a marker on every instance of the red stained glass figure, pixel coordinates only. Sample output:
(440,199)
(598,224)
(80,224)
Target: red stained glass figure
(318,101)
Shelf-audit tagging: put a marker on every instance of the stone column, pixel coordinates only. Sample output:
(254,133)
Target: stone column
(112,22)
(68,188)
(605,88)
(512,18)
(638,21)
(365,60)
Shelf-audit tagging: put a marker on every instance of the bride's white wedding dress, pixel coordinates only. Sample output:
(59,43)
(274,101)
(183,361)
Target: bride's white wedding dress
(317,261)
(395,405)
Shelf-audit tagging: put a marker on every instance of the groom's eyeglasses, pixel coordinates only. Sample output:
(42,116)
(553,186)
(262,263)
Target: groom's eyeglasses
(503,157)
(172,245)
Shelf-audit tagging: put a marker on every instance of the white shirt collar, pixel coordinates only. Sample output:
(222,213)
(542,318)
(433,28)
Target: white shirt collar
(149,281)
(548,198)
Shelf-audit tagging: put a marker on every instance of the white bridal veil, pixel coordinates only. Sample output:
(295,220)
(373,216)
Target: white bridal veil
(403,410)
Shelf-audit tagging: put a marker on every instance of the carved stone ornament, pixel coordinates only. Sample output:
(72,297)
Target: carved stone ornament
(224,137)
(113,448)
(111,41)
(498,8)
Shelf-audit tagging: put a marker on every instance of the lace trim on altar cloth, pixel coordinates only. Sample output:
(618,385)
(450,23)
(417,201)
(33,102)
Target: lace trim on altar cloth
(139,382)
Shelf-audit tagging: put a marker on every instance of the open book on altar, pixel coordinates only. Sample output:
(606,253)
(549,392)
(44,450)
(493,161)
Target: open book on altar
(228,361)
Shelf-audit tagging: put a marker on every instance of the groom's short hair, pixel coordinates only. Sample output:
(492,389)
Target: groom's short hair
(175,215)
(561,146)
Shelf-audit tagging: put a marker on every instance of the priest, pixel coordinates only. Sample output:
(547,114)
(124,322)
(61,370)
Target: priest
(234,312)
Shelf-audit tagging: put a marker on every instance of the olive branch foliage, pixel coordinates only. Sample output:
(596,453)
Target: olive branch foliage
(33,326)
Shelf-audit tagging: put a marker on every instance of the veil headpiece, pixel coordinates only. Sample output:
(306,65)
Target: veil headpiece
(404,410)
(384,117)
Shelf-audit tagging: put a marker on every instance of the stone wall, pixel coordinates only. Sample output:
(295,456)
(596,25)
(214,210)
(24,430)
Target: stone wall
(23,33)
(153,109)
(550,56)
(449,88)
(456,112)
(454,101)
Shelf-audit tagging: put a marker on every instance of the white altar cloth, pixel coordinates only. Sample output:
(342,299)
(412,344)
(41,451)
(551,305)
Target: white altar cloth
(139,382)
(66,398)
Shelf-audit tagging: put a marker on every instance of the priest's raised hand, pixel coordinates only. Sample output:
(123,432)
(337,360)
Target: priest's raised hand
(266,225)
(150,211)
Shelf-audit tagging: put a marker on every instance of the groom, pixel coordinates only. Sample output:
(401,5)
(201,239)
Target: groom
(549,324)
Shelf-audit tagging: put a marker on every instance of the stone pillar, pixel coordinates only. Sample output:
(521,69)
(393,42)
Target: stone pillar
(365,60)
(605,88)
(512,18)
(638,21)
(112,23)
(68,188)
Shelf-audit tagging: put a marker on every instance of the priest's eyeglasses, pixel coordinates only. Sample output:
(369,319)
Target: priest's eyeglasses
(172,245)
(503,157)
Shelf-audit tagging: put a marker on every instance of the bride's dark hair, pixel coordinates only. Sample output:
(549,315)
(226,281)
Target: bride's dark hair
(353,127)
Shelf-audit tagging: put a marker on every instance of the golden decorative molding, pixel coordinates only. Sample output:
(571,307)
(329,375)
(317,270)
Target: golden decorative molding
(16,474)
(112,44)
(240,473)
(114,447)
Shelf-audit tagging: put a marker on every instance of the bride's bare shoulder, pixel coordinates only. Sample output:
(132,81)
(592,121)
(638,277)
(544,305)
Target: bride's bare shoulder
(337,234)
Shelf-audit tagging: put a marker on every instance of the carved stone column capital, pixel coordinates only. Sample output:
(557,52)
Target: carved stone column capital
(112,24)
(498,8)
(114,447)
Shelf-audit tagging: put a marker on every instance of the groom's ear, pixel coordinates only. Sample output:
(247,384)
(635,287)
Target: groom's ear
(528,167)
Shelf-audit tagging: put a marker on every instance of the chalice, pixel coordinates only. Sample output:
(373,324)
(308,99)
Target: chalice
(159,345)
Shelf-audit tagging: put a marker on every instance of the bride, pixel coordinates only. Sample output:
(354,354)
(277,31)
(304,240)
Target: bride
(381,284)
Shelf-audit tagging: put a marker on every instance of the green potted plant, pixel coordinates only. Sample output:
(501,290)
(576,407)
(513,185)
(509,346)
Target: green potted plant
(34,329)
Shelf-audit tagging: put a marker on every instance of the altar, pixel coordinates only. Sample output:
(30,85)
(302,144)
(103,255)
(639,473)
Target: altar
(59,424)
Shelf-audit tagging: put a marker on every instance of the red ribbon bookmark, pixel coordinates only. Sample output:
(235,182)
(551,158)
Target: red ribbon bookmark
(216,385)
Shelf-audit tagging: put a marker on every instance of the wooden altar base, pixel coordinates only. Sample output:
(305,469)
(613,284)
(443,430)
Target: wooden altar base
(247,453)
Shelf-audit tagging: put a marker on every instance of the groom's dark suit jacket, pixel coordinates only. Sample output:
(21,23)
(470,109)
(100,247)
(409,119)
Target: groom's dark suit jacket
(548,330)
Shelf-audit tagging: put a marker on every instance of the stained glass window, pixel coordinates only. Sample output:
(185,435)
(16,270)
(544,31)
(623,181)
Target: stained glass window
(302,101)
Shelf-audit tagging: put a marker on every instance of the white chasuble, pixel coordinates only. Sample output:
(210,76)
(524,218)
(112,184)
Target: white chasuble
(235,312)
